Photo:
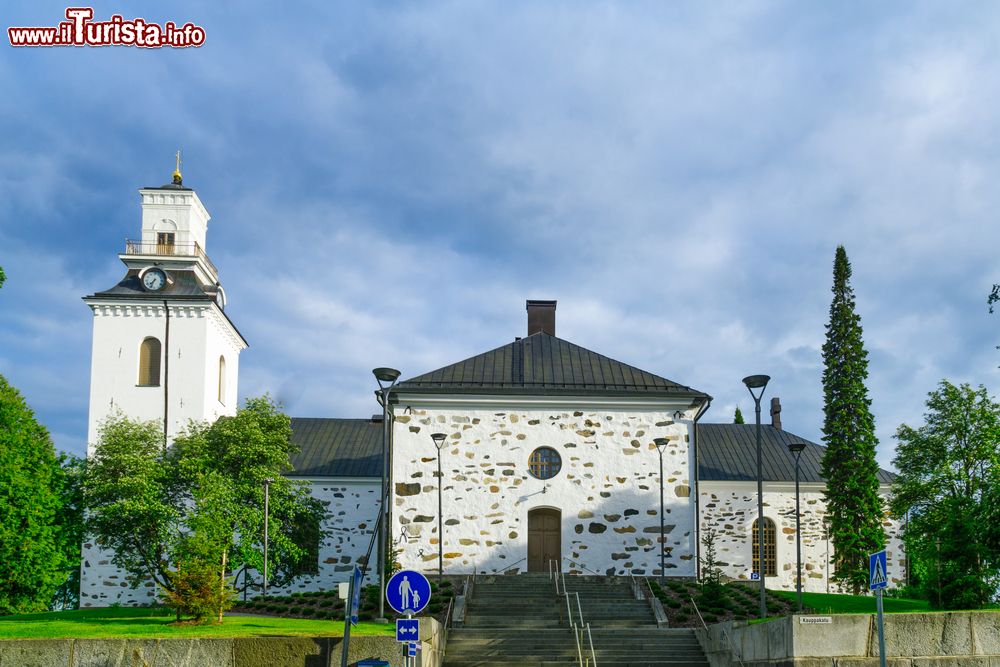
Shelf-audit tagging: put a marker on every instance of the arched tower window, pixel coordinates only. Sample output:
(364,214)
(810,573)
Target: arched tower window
(149,363)
(222,380)
(770,560)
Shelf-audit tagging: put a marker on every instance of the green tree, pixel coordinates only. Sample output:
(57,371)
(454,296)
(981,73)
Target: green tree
(31,562)
(738,417)
(175,515)
(853,503)
(3,277)
(945,489)
(71,530)
(713,593)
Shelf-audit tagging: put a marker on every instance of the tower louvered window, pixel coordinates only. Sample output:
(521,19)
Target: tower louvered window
(149,363)
(770,557)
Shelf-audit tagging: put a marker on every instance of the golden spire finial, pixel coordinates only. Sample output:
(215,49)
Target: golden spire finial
(177,171)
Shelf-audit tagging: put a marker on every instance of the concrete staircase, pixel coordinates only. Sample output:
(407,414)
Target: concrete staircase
(519,621)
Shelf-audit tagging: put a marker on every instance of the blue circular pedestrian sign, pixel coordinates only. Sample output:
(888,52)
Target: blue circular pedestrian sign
(408,592)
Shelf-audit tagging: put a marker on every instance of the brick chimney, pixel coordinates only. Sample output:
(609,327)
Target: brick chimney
(776,413)
(541,317)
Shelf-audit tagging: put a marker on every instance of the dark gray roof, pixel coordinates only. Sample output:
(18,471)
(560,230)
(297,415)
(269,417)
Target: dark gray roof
(184,284)
(544,364)
(336,447)
(728,452)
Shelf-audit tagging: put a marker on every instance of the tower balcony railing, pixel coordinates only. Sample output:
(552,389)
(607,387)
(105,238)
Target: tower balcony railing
(138,247)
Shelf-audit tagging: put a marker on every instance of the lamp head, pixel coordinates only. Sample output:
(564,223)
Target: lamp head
(389,375)
(438,439)
(661,443)
(756,381)
(796,447)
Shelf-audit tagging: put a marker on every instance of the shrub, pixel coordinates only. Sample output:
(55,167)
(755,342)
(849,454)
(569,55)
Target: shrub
(199,591)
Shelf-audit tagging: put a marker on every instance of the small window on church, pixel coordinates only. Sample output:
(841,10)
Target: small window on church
(544,463)
(222,380)
(770,559)
(149,363)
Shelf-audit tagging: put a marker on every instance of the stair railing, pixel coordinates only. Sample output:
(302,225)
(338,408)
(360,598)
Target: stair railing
(579,649)
(470,582)
(573,563)
(590,639)
(511,566)
(725,633)
(637,591)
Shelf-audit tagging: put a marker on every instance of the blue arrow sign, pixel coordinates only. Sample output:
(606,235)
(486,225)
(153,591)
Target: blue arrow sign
(877,572)
(407,629)
(356,595)
(408,592)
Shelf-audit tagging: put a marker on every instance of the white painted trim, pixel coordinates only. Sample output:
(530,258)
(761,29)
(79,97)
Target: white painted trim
(372,481)
(774,487)
(460,400)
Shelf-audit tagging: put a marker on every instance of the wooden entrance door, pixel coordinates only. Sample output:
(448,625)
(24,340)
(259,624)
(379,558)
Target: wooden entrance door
(544,538)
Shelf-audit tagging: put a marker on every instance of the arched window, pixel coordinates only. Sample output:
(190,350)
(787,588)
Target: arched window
(770,560)
(222,380)
(149,363)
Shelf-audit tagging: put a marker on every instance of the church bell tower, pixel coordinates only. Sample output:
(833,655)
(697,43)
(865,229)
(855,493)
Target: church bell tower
(163,347)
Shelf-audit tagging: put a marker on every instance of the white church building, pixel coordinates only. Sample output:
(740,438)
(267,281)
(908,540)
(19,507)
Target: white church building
(549,450)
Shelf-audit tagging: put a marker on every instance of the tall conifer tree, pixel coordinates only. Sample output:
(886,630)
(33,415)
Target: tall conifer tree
(849,466)
(738,416)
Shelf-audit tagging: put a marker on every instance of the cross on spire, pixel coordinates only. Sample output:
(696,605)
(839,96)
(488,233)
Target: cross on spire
(177,171)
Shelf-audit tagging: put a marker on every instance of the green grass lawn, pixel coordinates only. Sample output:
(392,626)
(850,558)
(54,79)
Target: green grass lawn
(831,603)
(158,622)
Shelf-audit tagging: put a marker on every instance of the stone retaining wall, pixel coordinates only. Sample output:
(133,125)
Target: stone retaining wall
(951,639)
(204,652)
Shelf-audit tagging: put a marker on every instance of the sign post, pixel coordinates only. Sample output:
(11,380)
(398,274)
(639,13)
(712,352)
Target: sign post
(408,592)
(878,581)
(351,605)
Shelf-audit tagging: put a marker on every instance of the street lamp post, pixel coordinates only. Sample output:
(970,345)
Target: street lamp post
(267,502)
(796,449)
(661,444)
(386,378)
(759,382)
(438,439)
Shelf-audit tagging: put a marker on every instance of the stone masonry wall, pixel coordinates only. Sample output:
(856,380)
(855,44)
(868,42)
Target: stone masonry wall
(730,508)
(607,489)
(351,505)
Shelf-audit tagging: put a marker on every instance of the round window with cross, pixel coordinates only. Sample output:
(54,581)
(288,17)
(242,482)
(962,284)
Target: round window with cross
(544,463)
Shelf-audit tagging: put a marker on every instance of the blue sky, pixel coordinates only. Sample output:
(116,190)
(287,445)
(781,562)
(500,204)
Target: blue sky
(390,181)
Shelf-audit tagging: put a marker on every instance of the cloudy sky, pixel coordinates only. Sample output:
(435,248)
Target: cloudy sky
(390,181)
